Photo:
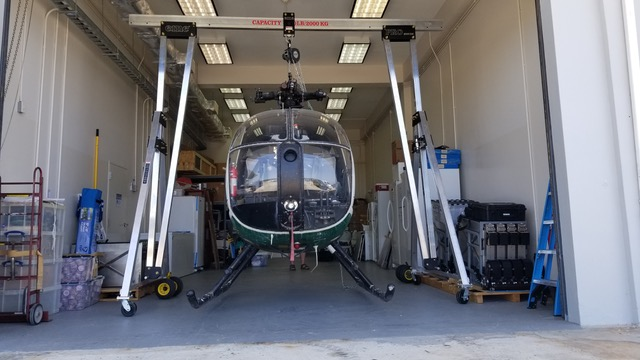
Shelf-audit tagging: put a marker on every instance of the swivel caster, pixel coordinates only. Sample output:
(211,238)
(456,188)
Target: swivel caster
(133,307)
(461,298)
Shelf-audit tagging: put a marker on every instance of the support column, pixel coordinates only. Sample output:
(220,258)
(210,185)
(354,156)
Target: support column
(594,153)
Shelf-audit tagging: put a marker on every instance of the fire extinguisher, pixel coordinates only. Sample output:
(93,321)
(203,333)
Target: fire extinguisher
(233,179)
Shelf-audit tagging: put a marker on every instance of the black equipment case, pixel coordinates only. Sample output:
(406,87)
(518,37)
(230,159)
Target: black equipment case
(495,211)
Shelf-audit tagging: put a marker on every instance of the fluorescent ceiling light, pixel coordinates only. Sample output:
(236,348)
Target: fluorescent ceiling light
(353,53)
(241,117)
(369,8)
(335,117)
(336,104)
(236,104)
(216,54)
(231,90)
(346,89)
(197,7)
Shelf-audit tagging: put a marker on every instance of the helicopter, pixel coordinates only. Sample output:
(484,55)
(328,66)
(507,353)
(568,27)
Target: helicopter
(290,184)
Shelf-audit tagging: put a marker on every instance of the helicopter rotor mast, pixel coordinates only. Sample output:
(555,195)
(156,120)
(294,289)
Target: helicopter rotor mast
(292,93)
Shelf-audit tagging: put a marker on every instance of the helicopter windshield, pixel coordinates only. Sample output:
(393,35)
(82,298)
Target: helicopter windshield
(319,168)
(294,154)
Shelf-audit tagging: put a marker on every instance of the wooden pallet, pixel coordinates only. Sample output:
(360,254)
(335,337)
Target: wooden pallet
(476,293)
(477,296)
(448,285)
(111,294)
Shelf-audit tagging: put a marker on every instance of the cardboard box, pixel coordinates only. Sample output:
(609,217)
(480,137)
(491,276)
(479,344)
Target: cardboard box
(221,168)
(218,191)
(397,154)
(191,162)
(359,215)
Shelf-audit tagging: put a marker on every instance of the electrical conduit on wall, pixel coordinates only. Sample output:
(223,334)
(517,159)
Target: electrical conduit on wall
(435,56)
(62,103)
(39,123)
(453,100)
(36,154)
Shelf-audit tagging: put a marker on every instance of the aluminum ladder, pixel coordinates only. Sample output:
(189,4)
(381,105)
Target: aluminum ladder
(543,263)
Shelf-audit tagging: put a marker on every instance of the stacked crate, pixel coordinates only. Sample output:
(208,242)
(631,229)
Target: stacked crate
(80,282)
(16,216)
(448,158)
(445,253)
(497,240)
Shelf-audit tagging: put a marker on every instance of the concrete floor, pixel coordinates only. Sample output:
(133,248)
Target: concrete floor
(271,306)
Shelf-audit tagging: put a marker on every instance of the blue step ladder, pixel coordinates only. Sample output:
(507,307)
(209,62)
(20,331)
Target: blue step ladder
(540,279)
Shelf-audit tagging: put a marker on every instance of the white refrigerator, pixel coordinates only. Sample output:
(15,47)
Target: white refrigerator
(403,218)
(384,213)
(187,215)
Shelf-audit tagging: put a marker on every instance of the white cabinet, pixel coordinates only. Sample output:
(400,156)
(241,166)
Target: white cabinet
(187,215)
(451,182)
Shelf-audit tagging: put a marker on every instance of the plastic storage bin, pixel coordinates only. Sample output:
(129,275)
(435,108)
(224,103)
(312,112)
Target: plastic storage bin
(78,268)
(80,295)
(13,300)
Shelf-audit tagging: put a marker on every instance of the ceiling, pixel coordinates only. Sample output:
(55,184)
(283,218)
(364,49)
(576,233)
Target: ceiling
(257,55)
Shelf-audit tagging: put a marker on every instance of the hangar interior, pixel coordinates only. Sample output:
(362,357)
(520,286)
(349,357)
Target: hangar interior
(512,85)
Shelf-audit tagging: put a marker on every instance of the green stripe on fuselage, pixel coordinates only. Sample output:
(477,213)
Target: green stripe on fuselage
(280,242)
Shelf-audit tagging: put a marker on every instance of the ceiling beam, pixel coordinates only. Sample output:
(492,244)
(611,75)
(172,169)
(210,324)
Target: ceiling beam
(263,23)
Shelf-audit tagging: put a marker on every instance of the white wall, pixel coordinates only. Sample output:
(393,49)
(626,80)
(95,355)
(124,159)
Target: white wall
(68,89)
(492,105)
(378,152)
(482,94)
(490,91)
(595,159)
(484,97)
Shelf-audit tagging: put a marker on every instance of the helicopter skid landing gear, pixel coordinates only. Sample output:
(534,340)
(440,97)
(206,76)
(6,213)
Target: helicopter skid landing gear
(230,275)
(357,274)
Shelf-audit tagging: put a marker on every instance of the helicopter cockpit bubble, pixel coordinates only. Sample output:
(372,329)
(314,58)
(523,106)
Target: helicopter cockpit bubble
(291,155)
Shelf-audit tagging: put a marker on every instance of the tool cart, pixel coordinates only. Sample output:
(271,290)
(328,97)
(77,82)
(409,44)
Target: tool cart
(20,250)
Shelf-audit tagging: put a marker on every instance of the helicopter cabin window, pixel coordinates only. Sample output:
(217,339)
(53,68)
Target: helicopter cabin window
(261,171)
(255,144)
(320,129)
(319,169)
(264,127)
